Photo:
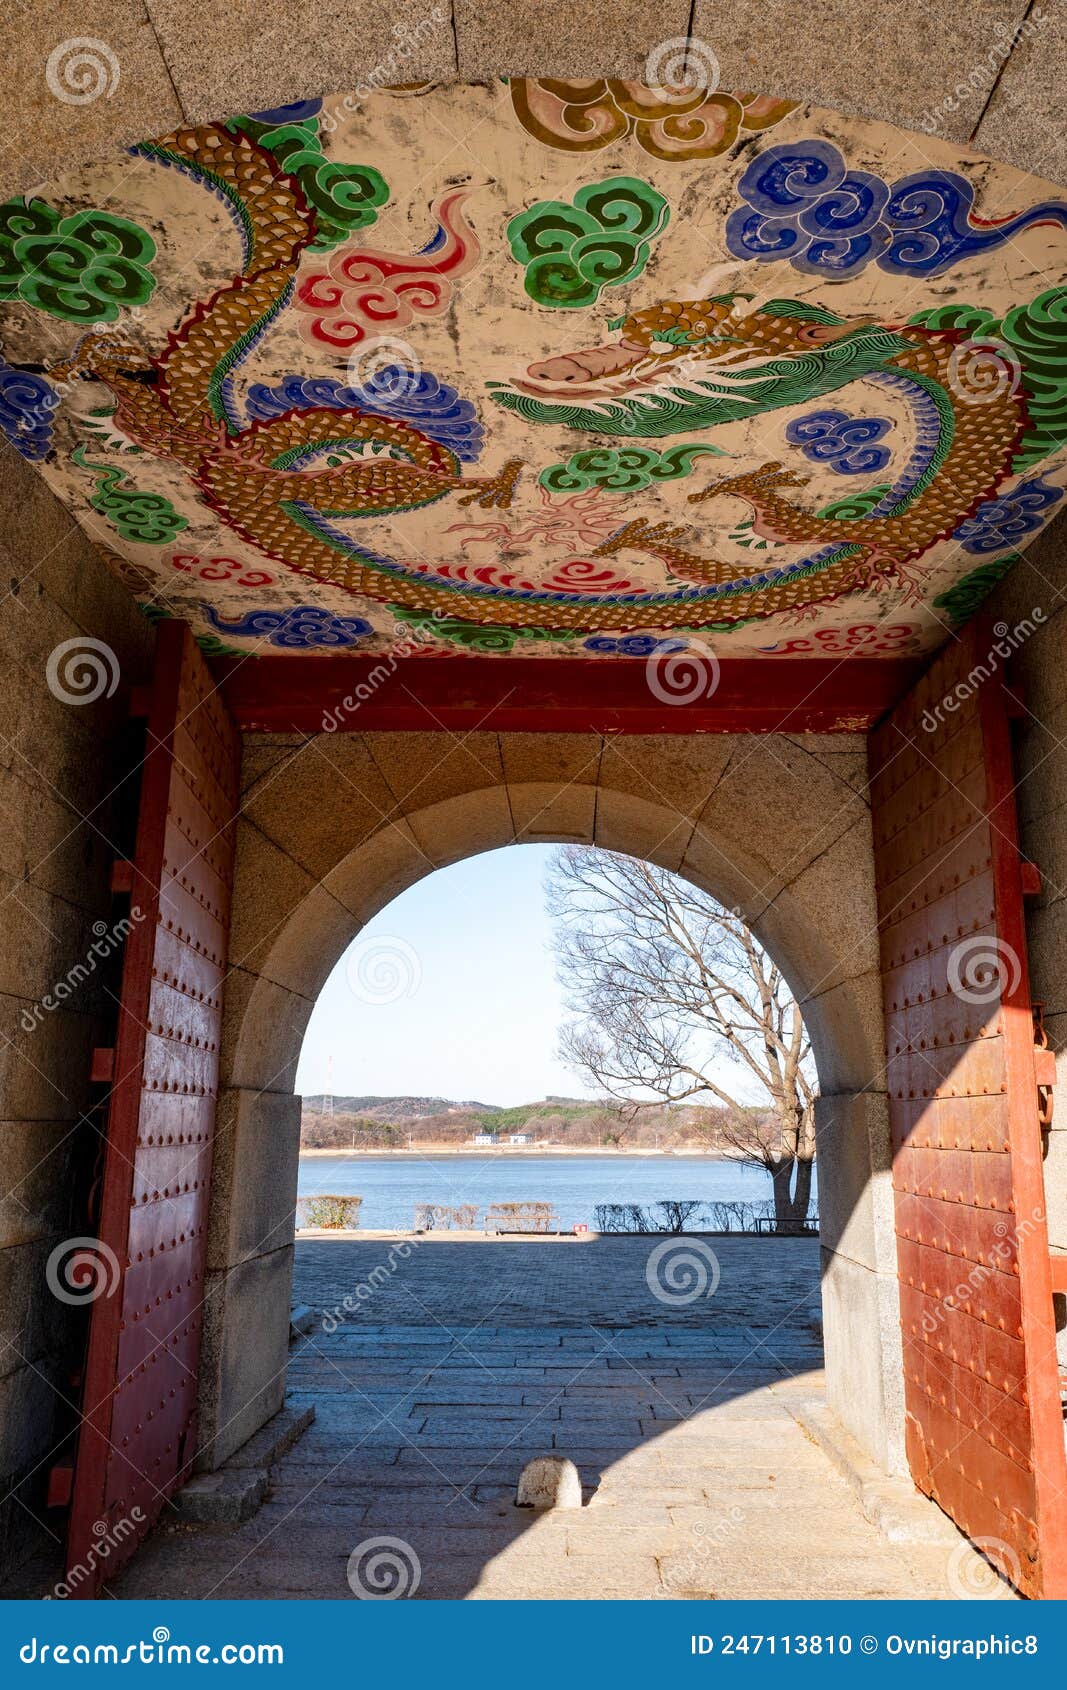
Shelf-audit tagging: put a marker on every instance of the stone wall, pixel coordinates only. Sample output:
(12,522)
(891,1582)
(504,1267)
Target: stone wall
(62,820)
(333,827)
(966,79)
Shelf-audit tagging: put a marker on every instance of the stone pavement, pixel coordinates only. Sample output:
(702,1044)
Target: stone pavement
(760,1282)
(465,1359)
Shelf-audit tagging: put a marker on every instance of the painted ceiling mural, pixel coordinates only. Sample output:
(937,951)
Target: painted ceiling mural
(545,367)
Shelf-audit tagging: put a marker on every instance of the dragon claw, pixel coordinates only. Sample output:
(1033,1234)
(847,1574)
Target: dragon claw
(640,535)
(752,484)
(498,492)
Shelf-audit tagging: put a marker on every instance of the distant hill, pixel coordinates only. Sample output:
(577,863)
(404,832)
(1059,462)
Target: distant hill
(367,1123)
(392,1108)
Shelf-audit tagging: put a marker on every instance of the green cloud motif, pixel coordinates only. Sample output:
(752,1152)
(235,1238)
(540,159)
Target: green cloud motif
(572,252)
(344,197)
(627,469)
(149,518)
(83,267)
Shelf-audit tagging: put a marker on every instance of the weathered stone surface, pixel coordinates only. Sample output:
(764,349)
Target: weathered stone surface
(136,97)
(553,759)
(60,792)
(865,1370)
(244,1354)
(677,772)
(248,56)
(425,769)
(269,885)
(816,53)
(287,803)
(848,1032)
(464,825)
(641,828)
(1023,120)
(538,39)
(370,875)
(267,1446)
(553,813)
(549,1481)
(207,65)
(263,1028)
(856,1203)
(254,1167)
(39,1159)
(222,1499)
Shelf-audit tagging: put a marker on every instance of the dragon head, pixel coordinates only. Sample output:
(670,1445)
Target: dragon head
(696,363)
(100,356)
(723,330)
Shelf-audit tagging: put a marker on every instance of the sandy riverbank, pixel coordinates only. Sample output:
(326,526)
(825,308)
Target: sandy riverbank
(480,1152)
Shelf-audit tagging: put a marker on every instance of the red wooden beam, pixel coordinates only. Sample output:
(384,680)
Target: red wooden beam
(359,694)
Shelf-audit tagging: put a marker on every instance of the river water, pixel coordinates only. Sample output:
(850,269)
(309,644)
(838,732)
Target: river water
(391,1186)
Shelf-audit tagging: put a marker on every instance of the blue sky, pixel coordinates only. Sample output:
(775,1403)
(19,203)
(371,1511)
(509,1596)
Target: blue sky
(450,991)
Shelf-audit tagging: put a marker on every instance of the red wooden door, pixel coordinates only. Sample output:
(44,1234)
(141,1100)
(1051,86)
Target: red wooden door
(138,1432)
(984,1422)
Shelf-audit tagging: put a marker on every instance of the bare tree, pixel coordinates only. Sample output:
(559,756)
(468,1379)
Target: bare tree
(668,988)
(676,1211)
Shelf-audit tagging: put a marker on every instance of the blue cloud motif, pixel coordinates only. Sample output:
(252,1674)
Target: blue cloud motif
(391,391)
(28,405)
(631,645)
(1001,523)
(844,443)
(304,626)
(804,204)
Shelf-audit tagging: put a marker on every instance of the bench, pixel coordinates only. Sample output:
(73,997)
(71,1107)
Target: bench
(521,1217)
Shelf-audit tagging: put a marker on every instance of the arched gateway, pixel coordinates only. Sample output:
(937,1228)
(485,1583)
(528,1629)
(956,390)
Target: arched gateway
(415,468)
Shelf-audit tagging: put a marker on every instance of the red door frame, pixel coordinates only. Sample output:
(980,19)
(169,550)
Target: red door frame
(984,1424)
(1028,1065)
(137,1436)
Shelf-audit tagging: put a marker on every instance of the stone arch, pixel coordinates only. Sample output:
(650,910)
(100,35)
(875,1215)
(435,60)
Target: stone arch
(333,828)
(792,924)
